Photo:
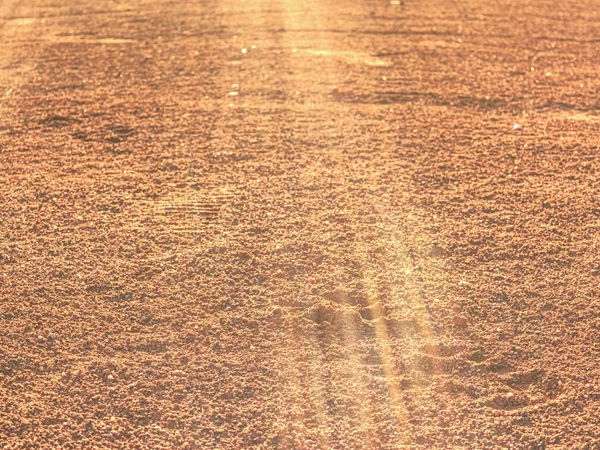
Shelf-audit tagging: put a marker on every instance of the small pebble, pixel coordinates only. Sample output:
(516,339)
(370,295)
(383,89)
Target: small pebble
(436,251)
(516,126)
(110,377)
(52,336)
(460,322)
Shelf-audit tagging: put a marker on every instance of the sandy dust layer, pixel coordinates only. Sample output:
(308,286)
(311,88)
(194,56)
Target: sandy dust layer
(299,225)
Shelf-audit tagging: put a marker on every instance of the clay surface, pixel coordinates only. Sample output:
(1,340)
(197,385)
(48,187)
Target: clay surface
(299,224)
